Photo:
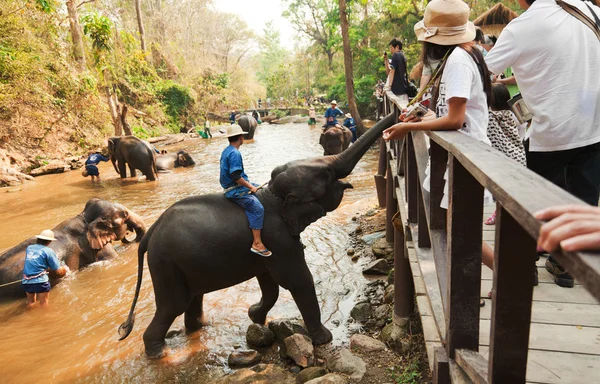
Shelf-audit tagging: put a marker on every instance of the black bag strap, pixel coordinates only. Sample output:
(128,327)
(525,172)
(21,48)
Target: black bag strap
(576,12)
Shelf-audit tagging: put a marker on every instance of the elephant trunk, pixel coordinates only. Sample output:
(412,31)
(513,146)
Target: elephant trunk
(344,163)
(135,223)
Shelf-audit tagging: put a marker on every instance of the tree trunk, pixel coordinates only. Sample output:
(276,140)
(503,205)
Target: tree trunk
(113,105)
(138,12)
(360,129)
(329,53)
(76,34)
(123,116)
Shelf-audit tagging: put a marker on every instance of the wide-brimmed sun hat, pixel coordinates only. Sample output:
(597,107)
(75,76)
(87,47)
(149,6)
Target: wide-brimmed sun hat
(234,130)
(46,234)
(348,115)
(446,22)
(333,102)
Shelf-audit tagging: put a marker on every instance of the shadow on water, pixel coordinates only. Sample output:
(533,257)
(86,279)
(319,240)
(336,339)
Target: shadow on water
(75,339)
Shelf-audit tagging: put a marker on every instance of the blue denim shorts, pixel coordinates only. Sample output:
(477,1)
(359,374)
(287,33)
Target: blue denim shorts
(92,170)
(37,287)
(254,209)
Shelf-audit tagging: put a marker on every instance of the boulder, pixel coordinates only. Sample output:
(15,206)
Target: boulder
(238,377)
(345,362)
(275,373)
(259,336)
(331,378)
(55,166)
(283,328)
(310,373)
(361,312)
(243,359)
(378,267)
(300,349)
(388,295)
(392,335)
(382,249)
(366,343)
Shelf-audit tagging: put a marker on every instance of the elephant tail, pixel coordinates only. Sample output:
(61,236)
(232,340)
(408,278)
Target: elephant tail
(126,328)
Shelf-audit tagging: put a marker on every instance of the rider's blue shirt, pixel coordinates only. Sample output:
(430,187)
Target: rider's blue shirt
(231,161)
(331,115)
(95,158)
(349,123)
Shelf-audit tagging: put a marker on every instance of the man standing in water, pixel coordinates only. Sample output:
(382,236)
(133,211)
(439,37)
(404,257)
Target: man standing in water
(38,259)
(91,164)
(239,190)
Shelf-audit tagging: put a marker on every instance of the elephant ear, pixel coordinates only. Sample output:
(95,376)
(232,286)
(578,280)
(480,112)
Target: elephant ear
(298,214)
(99,233)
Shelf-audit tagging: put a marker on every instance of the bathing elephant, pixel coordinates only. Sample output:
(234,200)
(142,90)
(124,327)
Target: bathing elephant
(133,152)
(202,244)
(248,124)
(80,241)
(335,140)
(169,161)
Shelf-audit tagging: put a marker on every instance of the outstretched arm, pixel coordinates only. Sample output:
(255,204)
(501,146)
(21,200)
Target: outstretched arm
(572,227)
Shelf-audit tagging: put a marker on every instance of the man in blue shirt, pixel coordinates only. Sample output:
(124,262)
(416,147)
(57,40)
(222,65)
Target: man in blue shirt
(239,190)
(351,125)
(91,165)
(331,115)
(38,259)
(232,117)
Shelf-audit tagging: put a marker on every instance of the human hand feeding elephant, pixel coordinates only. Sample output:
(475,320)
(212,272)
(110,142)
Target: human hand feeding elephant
(80,241)
(169,161)
(201,244)
(335,140)
(133,152)
(248,124)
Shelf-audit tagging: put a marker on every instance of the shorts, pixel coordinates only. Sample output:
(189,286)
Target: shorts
(37,287)
(312,121)
(92,170)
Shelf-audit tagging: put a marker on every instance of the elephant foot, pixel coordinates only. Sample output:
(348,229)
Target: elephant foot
(322,336)
(257,314)
(194,325)
(156,353)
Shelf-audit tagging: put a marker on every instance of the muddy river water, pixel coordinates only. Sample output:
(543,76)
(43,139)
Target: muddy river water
(75,339)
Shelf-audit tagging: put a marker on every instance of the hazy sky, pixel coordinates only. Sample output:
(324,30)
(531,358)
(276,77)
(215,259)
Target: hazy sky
(257,12)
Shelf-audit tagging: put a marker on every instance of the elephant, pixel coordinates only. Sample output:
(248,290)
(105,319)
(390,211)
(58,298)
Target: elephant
(202,244)
(169,161)
(80,241)
(248,124)
(137,153)
(335,140)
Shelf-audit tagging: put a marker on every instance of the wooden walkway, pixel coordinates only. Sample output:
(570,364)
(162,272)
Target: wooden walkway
(564,344)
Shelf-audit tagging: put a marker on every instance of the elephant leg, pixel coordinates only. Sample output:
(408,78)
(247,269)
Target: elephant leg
(193,315)
(270,294)
(106,253)
(132,170)
(122,168)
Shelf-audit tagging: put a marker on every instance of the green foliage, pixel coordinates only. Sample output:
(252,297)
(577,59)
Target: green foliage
(410,373)
(45,5)
(176,98)
(99,29)
(279,113)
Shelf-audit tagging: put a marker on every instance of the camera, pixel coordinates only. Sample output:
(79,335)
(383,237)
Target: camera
(417,110)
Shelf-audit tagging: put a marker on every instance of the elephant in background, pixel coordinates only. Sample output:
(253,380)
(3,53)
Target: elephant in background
(248,124)
(213,252)
(129,151)
(80,241)
(169,161)
(335,140)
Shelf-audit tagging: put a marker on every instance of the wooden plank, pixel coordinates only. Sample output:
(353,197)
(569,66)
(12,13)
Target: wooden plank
(552,293)
(419,286)
(411,179)
(391,205)
(464,253)
(457,375)
(441,372)
(522,193)
(424,307)
(473,364)
(404,291)
(430,347)
(560,338)
(514,264)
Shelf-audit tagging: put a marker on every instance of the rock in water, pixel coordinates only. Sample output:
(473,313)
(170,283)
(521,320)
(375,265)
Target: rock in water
(388,296)
(259,336)
(366,343)
(53,167)
(330,378)
(392,335)
(345,362)
(382,249)
(300,349)
(378,267)
(309,374)
(371,237)
(361,312)
(243,359)
(284,328)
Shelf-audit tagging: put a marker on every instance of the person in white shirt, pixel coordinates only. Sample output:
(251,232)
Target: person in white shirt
(556,60)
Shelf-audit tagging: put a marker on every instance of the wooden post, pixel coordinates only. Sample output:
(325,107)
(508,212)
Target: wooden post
(441,369)
(381,170)
(424,241)
(404,289)
(438,166)
(514,263)
(412,179)
(391,205)
(465,221)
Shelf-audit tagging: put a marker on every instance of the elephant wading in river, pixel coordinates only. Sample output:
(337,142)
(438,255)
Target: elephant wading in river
(202,244)
(80,241)
(169,161)
(133,152)
(335,140)
(248,124)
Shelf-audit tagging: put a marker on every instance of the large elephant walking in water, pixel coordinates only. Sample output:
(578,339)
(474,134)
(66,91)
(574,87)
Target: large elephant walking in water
(248,124)
(129,151)
(202,244)
(80,241)
(335,140)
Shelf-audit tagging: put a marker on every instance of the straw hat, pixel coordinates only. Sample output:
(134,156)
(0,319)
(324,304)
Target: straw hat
(446,22)
(349,116)
(333,102)
(46,234)
(234,130)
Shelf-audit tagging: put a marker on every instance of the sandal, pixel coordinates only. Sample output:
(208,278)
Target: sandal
(491,220)
(264,253)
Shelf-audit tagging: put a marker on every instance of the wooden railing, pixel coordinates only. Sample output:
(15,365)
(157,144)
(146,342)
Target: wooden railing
(452,239)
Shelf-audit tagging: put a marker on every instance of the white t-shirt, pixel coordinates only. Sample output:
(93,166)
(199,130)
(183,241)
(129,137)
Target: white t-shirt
(556,60)
(461,78)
